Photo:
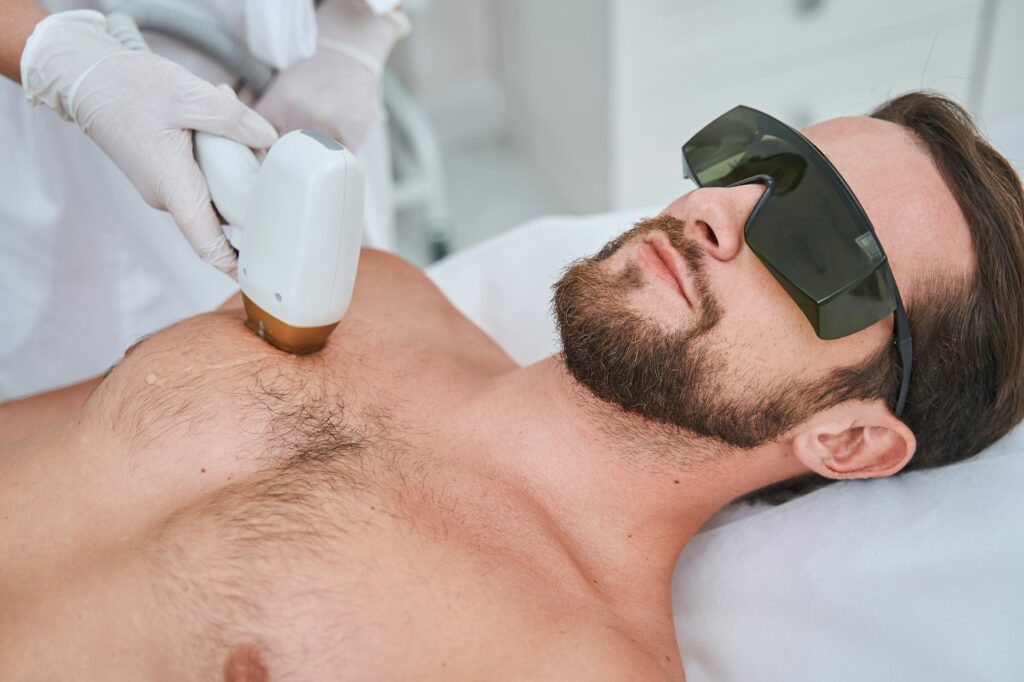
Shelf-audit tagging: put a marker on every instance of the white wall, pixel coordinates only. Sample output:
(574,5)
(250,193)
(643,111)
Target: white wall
(450,63)
(555,65)
(1004,86)
(599,94)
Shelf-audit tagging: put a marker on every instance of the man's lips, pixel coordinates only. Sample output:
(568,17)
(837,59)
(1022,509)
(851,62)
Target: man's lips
(670,260)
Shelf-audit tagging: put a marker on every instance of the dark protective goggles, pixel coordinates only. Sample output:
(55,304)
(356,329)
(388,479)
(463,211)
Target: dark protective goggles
(808,228)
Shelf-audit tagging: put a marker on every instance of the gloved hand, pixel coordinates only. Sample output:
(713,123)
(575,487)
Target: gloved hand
(337,90)
(140,109)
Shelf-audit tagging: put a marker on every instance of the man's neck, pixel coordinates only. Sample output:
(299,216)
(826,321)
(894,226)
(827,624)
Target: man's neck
(626,494)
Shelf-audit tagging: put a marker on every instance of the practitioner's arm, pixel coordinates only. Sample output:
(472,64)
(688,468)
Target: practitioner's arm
(139,107)
(17,19)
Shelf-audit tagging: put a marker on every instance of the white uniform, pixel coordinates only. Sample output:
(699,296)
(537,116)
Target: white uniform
(86,267)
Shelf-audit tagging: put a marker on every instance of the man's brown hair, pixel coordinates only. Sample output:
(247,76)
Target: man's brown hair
(967,388)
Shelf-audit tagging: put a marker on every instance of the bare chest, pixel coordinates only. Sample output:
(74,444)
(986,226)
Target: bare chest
(316,567)
(292,511)
(392,583)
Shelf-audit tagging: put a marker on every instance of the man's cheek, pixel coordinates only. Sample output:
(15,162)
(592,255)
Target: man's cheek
(748,337)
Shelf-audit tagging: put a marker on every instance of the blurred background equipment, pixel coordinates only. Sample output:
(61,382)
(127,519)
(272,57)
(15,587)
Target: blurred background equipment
(533,107)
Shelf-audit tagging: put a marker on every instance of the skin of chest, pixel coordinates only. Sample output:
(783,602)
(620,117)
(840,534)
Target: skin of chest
(252,501)
(276,511)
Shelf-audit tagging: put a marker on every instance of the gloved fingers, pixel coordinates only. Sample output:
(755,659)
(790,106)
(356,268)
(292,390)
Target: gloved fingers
(192,210)
(345,107)
(355,25)
(218,110)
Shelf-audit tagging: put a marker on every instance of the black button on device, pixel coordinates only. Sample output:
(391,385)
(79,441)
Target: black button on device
(325,140)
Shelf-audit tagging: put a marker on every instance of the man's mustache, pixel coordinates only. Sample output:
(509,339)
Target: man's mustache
(690,250)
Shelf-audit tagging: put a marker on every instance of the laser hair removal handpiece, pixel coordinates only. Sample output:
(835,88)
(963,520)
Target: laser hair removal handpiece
(296,219)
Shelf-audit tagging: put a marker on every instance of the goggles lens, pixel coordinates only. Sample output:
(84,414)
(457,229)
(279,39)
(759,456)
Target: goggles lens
(808,229)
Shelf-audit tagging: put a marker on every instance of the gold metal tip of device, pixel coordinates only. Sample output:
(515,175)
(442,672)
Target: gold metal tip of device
(295,340)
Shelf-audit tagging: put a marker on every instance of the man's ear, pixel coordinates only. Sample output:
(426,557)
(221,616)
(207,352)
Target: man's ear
(854,440)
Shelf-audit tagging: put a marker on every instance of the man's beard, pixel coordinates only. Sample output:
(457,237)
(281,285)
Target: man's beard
(673,377)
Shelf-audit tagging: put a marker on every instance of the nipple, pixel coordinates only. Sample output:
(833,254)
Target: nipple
(245,665)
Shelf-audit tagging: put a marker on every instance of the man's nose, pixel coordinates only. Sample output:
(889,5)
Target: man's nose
(715,217)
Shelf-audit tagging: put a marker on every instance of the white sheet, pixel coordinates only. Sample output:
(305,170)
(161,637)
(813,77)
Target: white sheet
(504,284)
(917,577)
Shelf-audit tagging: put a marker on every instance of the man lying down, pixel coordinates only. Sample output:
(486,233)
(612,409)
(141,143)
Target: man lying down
(409,504)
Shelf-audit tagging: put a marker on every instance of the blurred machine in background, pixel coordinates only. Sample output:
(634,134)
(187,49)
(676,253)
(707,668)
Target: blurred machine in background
(580,106)
(421,187)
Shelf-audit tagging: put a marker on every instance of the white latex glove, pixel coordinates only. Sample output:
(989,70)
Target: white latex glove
(141,110)
(337,90)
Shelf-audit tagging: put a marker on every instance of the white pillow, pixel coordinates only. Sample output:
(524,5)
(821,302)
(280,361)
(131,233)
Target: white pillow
(917,577)
(504,284)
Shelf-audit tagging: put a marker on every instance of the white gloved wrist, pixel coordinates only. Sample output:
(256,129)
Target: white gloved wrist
(337,90)
(141,110)
(63,48)
(350,27)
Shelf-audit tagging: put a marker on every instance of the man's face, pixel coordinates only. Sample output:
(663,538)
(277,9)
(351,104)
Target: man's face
(679,322)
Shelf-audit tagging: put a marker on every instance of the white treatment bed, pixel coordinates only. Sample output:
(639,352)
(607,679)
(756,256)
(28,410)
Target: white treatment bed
(917,577)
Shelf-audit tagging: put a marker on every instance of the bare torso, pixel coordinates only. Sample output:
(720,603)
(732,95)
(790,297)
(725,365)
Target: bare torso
(219,510)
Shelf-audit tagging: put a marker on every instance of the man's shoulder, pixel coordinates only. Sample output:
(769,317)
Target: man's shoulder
(603,658)
(510,631)
(583,650)
(396,298)
(385,279)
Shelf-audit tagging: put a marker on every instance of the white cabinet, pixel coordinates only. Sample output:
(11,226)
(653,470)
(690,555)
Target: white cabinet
(602,93)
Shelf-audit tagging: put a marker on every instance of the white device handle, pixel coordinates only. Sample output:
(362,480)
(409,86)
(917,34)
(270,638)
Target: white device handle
(231,170)
(230,167)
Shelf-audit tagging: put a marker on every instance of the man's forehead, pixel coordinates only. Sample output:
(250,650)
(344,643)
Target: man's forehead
(894,177)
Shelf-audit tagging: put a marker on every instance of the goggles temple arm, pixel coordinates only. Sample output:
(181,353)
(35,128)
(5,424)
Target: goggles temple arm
(905,348)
